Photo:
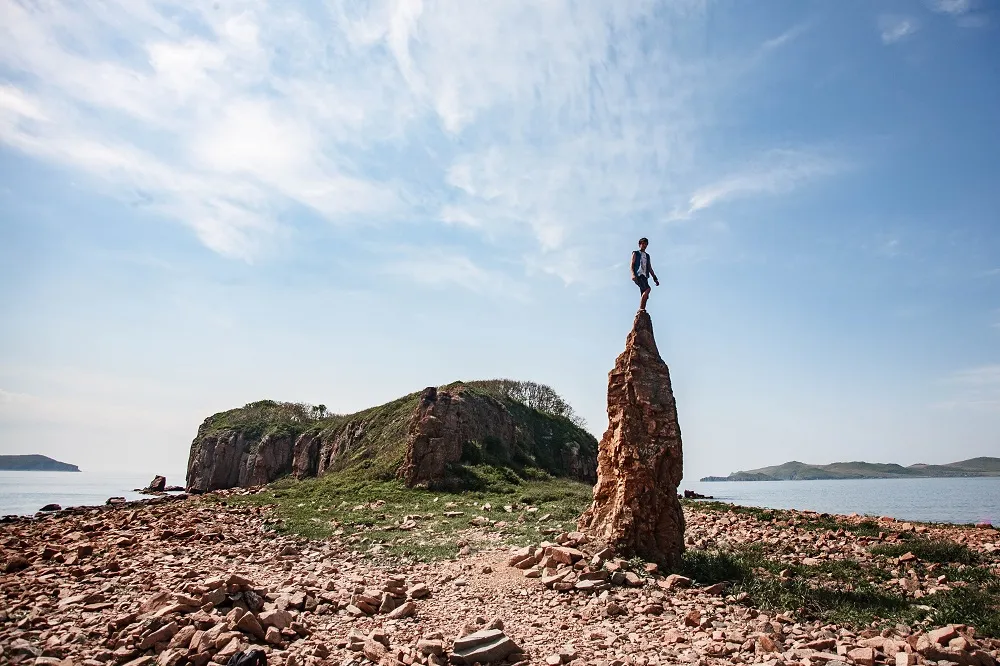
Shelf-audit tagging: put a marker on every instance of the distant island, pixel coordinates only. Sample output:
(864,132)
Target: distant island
(34,463)
(797,471)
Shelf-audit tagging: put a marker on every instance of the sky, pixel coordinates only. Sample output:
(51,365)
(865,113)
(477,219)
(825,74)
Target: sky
(206,204)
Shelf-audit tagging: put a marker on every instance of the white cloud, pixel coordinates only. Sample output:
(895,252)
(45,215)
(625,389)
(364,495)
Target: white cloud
(984,375)
(442,267)
(976,388)
(543,126)
(953,7)
(776,172)
(789,35)
(896,28)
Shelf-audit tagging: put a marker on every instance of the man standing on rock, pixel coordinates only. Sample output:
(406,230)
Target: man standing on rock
(642,269)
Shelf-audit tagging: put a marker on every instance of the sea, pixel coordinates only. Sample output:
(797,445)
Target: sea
(955,500)
(24,493)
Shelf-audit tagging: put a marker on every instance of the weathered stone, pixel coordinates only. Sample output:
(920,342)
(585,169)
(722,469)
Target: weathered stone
(170,657)
(183,637)
(640,462)
(483,647)
(418,591)
(15,563)
(430,646)
(251,625)
(565,555)
(277,618)
(375,650)
(864,656)
(407,609)
(161,635)
(943,635)
(157,484)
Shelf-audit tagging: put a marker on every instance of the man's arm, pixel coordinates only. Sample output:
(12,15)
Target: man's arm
(649,264)
(635,264)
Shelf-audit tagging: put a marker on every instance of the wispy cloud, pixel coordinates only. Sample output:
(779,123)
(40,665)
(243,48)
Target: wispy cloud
(897,28)
(789,35)
(984,375)
(963,11)
(774,173)
(492,116)
(976,388)
(953,7)
(440,267)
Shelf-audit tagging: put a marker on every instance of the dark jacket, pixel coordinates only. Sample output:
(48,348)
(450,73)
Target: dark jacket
(637,261)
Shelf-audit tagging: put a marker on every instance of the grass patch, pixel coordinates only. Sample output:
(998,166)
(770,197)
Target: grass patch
(385,518)
(726,507)
(845,592)
(929,550)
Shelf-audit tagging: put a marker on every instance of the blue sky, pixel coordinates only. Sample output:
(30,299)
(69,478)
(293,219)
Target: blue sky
(341,203)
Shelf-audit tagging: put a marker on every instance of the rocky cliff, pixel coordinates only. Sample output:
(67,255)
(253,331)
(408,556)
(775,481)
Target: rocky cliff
(421,438)
(640,461)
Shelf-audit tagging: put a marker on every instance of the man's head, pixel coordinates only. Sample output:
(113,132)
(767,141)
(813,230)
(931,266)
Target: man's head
(643,242)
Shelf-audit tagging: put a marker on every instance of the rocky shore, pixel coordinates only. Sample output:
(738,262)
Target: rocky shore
(174,581)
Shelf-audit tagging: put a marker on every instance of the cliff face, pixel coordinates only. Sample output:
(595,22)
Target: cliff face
(443,422)
(416,438)
(229,459)
(640,461)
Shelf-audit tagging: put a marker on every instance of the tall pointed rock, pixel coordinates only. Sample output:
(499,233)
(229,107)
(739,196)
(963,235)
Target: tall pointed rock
(639,460)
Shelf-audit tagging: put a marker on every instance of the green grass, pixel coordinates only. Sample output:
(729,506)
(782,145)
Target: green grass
(846,592)
(264,417)
(929,550)
(369,513)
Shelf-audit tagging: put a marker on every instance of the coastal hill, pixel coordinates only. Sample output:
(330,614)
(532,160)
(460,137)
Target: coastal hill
(440,437)
(34,463)
(794,470)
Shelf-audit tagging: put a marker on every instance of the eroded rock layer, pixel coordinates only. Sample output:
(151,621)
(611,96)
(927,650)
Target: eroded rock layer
(639,460)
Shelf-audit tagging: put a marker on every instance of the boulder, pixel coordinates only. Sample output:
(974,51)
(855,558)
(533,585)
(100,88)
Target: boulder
(483,647)
(157,484)
(639,462)
(51,507)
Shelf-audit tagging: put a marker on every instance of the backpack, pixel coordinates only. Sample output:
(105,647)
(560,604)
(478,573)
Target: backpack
(248,658)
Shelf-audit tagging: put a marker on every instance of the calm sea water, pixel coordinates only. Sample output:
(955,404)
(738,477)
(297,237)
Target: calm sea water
(24,493)
(931,500)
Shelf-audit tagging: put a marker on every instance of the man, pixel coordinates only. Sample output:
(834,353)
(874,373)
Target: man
(642,269)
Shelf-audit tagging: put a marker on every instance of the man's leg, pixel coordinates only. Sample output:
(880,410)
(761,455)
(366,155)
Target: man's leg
(642,301)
